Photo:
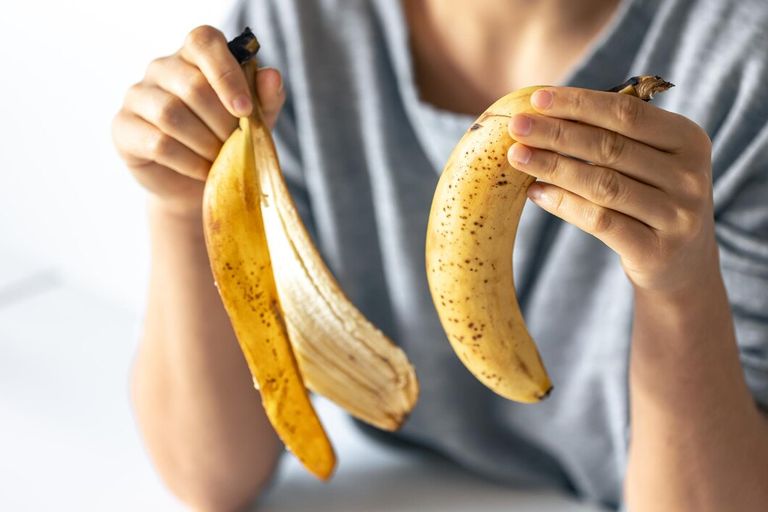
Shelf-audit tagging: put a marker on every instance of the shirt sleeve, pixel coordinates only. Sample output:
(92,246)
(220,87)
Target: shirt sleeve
(264,19)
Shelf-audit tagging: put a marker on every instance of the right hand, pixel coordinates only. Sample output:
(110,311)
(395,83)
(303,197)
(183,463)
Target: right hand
(173,123)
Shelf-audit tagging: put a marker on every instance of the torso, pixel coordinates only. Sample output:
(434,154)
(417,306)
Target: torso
(362,157)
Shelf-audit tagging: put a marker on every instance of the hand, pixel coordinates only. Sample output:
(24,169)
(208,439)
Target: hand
(635,176)
(173,123)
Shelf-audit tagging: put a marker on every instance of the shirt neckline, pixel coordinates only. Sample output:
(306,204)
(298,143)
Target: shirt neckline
(612,49)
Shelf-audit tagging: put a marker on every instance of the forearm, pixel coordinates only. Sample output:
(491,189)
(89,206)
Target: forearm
(200,416)
(698,440)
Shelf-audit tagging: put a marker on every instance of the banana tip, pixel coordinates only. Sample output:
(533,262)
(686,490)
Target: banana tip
(546,393)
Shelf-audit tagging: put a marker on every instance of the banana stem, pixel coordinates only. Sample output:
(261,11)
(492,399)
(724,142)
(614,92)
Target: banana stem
(244,46)
(644,87)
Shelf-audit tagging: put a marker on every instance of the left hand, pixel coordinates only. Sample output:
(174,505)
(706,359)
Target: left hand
(635,176)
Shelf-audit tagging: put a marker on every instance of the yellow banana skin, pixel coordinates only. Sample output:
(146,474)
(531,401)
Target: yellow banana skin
(341,354)
(470,238)
(241,265)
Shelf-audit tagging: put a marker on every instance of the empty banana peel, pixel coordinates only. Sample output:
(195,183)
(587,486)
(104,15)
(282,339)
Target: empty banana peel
(294,324)
(241,264)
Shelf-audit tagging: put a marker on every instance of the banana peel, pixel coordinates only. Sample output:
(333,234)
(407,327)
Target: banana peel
(295,326)
(243,273)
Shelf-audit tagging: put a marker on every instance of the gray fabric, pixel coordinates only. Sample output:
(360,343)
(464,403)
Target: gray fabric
(363,155)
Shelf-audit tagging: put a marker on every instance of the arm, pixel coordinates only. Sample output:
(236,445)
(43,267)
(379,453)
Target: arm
(200,417)
(698,439)
(196,407)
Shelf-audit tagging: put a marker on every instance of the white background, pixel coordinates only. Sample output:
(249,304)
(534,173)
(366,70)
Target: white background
(73,264)
(73,250)
(67,200)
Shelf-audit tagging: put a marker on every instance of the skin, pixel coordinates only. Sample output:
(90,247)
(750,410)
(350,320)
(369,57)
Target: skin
(698,442)
(466,56)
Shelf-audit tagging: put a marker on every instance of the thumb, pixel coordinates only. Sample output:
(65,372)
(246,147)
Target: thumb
(269,86)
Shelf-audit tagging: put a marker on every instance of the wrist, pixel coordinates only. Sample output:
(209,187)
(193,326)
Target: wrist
(173,220)
(687,276)
(677,323)
(701,289)
(177,212)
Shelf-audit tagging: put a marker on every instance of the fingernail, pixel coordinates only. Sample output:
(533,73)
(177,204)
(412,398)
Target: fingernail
(536,193)
(541,99)
(521,125)
(520,154)
(280,84)
(242,105)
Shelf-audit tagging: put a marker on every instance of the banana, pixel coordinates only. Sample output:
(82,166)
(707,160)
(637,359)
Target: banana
(471,232)
(241,265)
(294,324)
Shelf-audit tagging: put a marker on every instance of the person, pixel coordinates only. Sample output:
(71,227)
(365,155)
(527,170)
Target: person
(641,259)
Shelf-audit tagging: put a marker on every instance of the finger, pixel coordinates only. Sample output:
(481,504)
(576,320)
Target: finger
(207,49)
(592,144)
(269,85)
(626,236)
(173,117)
(141,143)
(187,82)
(600,185)
(621,113)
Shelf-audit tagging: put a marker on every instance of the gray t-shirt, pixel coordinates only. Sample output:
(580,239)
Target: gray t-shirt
(363,154)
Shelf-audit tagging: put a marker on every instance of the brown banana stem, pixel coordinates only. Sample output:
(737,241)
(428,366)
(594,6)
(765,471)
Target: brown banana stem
(644,87)
(244,46)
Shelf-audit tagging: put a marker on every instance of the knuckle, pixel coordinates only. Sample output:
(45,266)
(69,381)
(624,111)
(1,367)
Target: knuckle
(557,133)
(203,37)
(156,66)
(628,110)
(577,102)
(558,202)
(169,112)
(611,148)
(694,184)
(703,147)
(228,77)
(552,168)
(690,223)
(159,146)
(133,93)
(702,142)
(194,87)
(667,214)
(607,187)
(598,220)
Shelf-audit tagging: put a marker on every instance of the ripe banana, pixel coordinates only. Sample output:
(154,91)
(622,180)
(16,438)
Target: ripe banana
(470,239)
(291,318)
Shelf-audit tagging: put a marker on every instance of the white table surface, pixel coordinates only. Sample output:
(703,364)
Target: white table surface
(68,440)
